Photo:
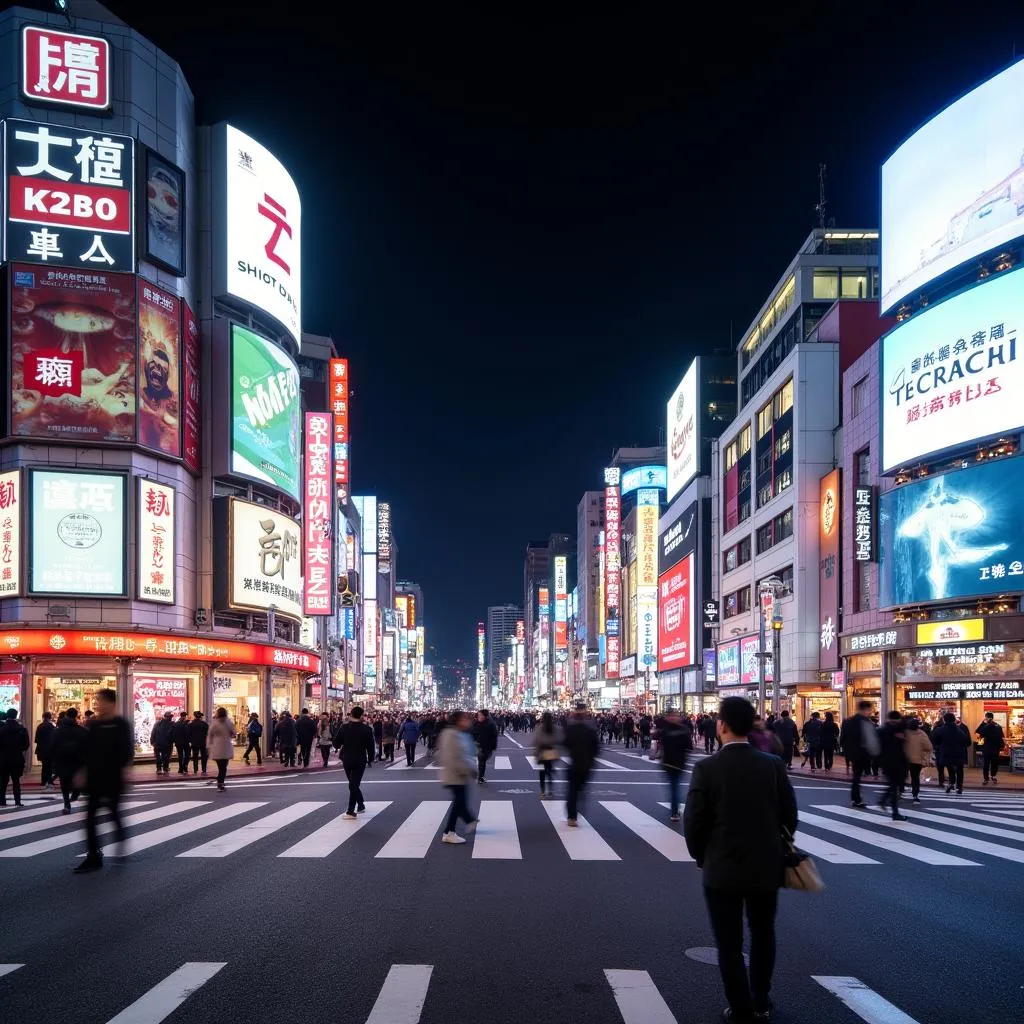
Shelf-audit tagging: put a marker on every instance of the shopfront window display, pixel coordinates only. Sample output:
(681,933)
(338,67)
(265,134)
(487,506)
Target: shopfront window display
(62,692)
(239,693)
(152,695)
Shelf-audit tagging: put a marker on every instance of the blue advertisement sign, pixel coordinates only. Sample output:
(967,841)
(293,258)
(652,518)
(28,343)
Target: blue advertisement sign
(710,665)
(952,536)
(729,663)
(348,619)
(644,476)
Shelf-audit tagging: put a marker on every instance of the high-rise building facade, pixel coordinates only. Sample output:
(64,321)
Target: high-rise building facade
(501,637)
(589,527)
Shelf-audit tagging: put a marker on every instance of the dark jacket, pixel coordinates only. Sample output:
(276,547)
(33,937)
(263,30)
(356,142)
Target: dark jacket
(68,751)
(786,730)
(162,734)
(851,737)
(410,732)
(676,739)
(355,742)
(197,730)
(254,730)
(581,743)
(991,736)
(738,802)
(485,735)
(951,744)
(286,734)
(108,748)
(181,732)
(894,758)
(305,729)
(388,732)
(812,733)
(45,732)
(13,743)
(829,734)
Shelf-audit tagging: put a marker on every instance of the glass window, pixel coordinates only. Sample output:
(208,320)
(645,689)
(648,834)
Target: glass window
(731,605)
(826,283)
(730,456)
(764,495)
(860,396)
(863,458)
(745,477)
(743,599)
(764,538)
(782,444)
(764,461)
(784,525)
(744,551)
(783,480)
(854,283)
(744,511)
(730,561)
(744,440)
(785,398)
(764,421)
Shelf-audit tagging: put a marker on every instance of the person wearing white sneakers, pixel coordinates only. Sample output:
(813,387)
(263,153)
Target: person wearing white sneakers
(458,767)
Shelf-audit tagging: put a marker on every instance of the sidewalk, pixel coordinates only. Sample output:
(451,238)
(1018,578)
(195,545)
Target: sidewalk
(972,777)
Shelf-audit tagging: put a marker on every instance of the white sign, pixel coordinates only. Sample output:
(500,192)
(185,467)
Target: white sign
(265,563)
(78,543)
(683,432)
(647,628)
(370,638)
(10,533)
(155,543)
(257,246)
(384,536)
(955,188)
(950,374)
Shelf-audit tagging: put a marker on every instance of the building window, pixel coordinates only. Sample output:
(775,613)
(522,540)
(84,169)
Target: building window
(744,511)
(863,462)
(737,555)
(826,283)
(764,421)
(783,525)
(730,605)
(764,461)
(730,456)
(784,399)
(783,481)
(764,495)
(855,283)
(745,477)
(737,602)
(783,444)
(860,396)
(785,577)
(864,587)
(764,538)
(744,440)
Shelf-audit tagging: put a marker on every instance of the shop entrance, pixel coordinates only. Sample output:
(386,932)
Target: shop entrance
(239,694)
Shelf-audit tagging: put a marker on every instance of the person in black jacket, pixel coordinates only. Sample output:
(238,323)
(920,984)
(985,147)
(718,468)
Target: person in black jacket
(952,741)
(356,746)
(738,804)
(485,735)
(162,737)
(859,739)
(108,749)
(253,732)
(582,746)
(894,763)
(198,729)
(44,743)
(181,740)
(305,732)
(676,738)
(286,738)
(68,755)
(13,744)
(990,732)
(785,728)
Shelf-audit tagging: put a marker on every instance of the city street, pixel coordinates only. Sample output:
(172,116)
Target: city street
(261,904)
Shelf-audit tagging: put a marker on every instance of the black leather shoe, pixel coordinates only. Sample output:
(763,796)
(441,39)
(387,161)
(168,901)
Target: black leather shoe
(730,1016)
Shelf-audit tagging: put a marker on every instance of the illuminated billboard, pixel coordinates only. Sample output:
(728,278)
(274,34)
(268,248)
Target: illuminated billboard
(953,536)
(675,621)
(950,374)
(612,571)
(318,516)
(561,605)
(955,189)
(683,432)
(655,477)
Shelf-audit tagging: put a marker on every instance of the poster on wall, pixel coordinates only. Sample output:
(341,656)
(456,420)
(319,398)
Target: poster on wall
(159,364)
(77,534)
(266,415)
(72,358)
(164,221)
(729,663)
(151,697)
(190,370)
(155,542)
(10,693)
(10,533)
(675,617)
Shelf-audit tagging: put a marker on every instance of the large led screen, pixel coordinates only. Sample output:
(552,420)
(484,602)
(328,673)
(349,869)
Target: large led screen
(950,374)
(675,617)
(955,188)
(683,432)
(953,536)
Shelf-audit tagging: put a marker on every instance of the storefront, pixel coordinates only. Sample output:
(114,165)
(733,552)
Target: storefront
(53,670)
(811,697)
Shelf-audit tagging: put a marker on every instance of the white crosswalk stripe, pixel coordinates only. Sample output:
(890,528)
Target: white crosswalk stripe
(6,969)
(167,833)
(866,1003)
(414,836)
(829,851)
(31,827)
(163,999)
(222,846)
(669,843)
(535,765)
(326,839)
(496,835)
(582,842)
(502,763)
(987,826)
(638,998)
(984,817)
(403,995)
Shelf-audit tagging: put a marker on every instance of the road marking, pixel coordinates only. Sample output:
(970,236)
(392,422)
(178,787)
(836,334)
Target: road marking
(949,838)
(984,825)
(6,969)
(224,846)
(516,742)
(502,763)
(163,999)
(865,1002)
(326,839)
(64,819)
(403,995)
(147,840)
(669,843)
(996,819)
(612,764)
(829,851)
(414,836)
(496,836)
(638,998)
(58,842)
(535,764)
(582,842)
(885,842)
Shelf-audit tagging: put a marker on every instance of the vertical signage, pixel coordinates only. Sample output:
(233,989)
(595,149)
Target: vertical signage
(155,541)
(339,407)
(612,570)
(384,537)
(865,518)
(10,534)
(65,69)
(828,571)
(317,519)
(370,639)
(647,545)
(412,611)
(191,362)
(561,604)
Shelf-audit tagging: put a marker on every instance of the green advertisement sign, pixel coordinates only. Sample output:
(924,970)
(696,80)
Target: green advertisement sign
(266,413)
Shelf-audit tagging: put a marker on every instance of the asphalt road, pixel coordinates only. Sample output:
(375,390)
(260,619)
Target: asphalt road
(258,905)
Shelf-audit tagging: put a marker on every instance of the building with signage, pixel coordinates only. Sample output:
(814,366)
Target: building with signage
(589,528)
(158,529)
(536,572)
(501,632)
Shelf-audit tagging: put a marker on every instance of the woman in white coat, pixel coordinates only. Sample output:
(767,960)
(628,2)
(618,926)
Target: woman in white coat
(221,743)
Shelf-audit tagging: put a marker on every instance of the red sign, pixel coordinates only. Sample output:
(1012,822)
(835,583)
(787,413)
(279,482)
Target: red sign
(190,390)
(65,68)
(317,503)
(159,366)
(82,206)
(339,407)
(612,576)
(71,642)
(675,616)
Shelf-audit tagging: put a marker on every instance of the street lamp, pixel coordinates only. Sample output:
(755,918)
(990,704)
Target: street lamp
(768,592)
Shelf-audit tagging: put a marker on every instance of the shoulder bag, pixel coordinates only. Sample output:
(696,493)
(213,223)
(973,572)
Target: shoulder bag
(800,870)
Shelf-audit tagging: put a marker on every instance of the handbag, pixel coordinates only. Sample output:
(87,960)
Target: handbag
(549,754)
(801,872)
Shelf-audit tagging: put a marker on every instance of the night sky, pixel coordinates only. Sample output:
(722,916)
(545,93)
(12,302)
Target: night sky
(520,231)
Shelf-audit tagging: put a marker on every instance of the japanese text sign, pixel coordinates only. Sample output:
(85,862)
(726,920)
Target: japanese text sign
(155,542)
(69,196)
(865,529)
(612,573)
(317,518)
(10,533)
(265,560)
(65,68)
(190,368)
(338,399)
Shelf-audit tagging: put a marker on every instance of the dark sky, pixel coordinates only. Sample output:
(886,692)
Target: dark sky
(520,230)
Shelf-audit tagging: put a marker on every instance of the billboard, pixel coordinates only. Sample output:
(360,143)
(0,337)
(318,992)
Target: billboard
(683,432)
(561,604)
(647,545)
(829,519)
(155,540)
(728,657)
(65,69)
(78,540)
(655,477)
(257,245)
(266,414)
(264,564)
(384,536)
(370,639)
(339,407)
(865,523)
(679,539)
(317,515)
(159,370)
(953,536)
(72,361)
(955,189)
(675,620)
(612,570)
(69,197)
(647,628)
(950,374)
(10,533)
(164,222)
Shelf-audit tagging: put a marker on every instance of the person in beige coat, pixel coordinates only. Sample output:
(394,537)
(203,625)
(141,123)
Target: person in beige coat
(458,765)
(918,749)
(221,742)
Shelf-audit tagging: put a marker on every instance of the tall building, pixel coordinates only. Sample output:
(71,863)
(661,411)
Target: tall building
(589,527)
(501,635)
(536,570)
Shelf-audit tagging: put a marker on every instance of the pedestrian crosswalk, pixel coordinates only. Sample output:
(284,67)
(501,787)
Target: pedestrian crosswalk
(401,995)
(521,828)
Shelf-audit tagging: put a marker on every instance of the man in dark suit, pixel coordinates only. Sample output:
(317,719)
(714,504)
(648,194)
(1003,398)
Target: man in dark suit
(739,801)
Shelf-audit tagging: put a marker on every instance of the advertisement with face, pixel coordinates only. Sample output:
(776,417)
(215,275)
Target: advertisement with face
(72,361)
(151,697)
(165,214)
(683,431)
(675,618)
(159,360)
(77,535)
(953,536)
(950,374)
(266,415)
(955,188)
